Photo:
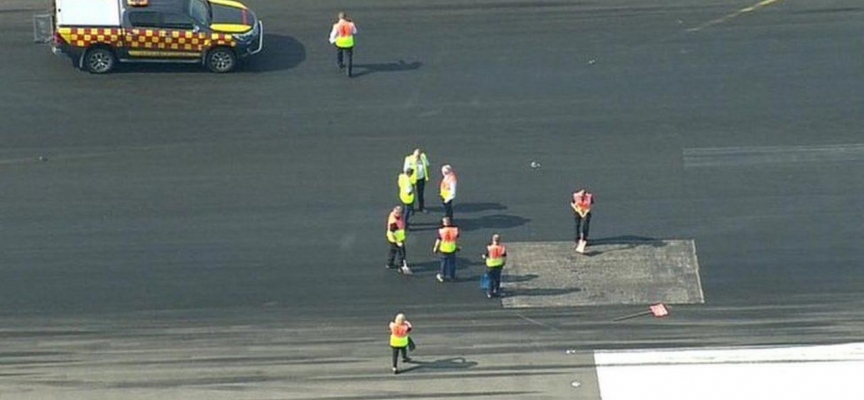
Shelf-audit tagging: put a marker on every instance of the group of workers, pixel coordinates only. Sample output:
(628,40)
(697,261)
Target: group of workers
(412,187)
(412,183)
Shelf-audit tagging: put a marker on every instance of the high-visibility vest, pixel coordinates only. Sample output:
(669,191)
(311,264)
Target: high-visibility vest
(406,189)
(399,334)
(397,236)
(448,235)
(449,180)
(583,202)
(495,255)
(414,164)
(344,34)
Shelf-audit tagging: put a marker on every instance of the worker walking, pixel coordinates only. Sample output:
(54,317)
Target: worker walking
(406,194)
(446,246)
(342,36)
(400,328)
(396,238)
(418,162)
(581,203)
(496,257)
(448,189)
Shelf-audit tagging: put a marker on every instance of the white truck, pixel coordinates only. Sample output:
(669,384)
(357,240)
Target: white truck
(97,34)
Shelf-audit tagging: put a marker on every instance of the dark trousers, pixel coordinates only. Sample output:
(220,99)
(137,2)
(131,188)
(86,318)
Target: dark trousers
(448,209)
(420,187)
(581,226)
(397,253)
(396,351)
(407,211)
(448,265)
(494,279)
(341,52)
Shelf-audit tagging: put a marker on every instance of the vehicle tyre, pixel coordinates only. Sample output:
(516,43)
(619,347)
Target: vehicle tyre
(221,60)
(99,60)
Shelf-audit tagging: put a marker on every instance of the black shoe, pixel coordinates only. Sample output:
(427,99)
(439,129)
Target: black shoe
(406,360)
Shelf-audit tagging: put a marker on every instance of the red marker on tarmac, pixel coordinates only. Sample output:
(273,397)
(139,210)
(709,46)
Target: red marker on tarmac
(658,310)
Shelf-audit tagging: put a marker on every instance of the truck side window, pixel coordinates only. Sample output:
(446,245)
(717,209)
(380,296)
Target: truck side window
(144,19)
(178,22)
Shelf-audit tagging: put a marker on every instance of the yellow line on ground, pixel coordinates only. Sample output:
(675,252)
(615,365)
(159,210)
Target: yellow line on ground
(717,21)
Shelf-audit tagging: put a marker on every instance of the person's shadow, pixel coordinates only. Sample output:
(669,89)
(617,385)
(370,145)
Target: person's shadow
(401,65)
(453,363)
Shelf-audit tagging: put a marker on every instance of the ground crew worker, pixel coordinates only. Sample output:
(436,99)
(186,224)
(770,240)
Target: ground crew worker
(406,194)
(496,257)
(342,36)
(418,162)
(446,246)
(448,189)
(396,238)
(581,204)
(400,329)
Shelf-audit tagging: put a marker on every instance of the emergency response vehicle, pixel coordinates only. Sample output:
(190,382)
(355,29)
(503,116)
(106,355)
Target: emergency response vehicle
(97,34)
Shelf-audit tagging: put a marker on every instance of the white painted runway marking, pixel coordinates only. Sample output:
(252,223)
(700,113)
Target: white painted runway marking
(788,373)
(733,15)
(758,155)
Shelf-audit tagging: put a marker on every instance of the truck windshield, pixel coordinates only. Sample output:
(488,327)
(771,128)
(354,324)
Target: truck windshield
(199,10)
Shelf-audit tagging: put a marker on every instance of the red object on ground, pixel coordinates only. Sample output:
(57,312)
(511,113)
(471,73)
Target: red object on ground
(659,310)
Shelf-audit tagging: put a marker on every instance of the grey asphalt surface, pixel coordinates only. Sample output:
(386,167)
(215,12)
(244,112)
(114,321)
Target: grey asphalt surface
(193,235)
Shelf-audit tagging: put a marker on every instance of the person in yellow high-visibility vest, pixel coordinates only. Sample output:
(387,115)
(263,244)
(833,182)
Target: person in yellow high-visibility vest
(448,189)
(406,194)
(496,257)
(342,36)
(396,239)
(400,339)
(418,162)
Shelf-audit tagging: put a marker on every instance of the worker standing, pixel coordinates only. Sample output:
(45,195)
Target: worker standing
(406,194)
(418,162)
(581,203)
(400,328)
(446,246)
(448,189)
(496,257)
(342,36)
(396,238)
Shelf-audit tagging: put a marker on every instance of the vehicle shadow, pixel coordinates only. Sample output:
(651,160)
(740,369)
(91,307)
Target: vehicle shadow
(366,69)
(457,363)
(280,52)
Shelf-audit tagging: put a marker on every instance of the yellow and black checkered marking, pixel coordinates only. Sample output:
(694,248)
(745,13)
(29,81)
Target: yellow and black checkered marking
(156,39)
(86,37)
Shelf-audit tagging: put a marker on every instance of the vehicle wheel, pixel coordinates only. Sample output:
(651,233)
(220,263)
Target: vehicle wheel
(221,60)
(99,60)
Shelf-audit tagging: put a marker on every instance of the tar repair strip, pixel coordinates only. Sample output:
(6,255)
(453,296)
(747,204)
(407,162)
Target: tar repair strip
(746,156)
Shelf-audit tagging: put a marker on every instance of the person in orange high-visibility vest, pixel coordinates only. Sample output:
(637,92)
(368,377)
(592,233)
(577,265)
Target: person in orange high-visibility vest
(446,245)
(342,36)
(496,257)
(581,203)
(396,238)
(400,340)
(448,189)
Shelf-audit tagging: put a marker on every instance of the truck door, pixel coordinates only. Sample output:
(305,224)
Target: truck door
(162,35)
